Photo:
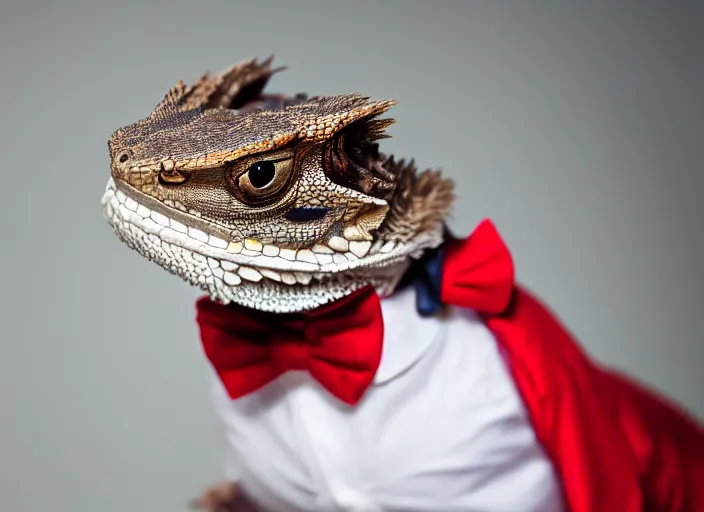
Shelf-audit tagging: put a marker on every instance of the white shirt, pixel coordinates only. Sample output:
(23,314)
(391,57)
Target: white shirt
(442,428)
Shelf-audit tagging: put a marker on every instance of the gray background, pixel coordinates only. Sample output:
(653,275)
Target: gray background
(577,128)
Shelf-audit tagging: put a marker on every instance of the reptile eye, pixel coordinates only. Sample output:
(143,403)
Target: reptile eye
(263,181)
(124,156)
(261,173)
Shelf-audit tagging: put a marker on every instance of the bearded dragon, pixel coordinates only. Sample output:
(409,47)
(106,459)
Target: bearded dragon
(276,202)
(285,203)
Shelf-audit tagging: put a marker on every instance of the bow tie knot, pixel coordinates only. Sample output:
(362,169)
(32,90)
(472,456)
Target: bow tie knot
(289,347)
(290,355)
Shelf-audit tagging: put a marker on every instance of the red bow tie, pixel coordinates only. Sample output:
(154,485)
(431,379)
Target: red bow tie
(340,344)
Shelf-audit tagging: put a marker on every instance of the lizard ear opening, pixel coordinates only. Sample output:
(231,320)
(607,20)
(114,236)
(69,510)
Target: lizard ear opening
(351,158)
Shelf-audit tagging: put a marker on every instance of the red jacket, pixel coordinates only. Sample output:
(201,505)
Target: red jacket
(616,446)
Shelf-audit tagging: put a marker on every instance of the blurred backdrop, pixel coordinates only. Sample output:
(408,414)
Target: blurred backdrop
(576,127)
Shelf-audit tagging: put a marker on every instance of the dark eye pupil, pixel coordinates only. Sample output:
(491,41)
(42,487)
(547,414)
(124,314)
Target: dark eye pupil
(261,173)
(123,157)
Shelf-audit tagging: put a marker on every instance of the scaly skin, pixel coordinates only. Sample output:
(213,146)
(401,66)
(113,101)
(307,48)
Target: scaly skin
(277,203)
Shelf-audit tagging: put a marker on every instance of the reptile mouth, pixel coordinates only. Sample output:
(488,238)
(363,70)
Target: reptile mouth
(249,259)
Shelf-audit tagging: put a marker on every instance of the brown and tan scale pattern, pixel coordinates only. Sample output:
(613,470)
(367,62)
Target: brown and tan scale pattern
(334,209)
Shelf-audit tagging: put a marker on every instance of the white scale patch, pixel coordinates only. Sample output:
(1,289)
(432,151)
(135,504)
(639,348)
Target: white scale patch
(256,275)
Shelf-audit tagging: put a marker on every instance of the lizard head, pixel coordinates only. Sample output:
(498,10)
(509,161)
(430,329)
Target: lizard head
(279,203)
